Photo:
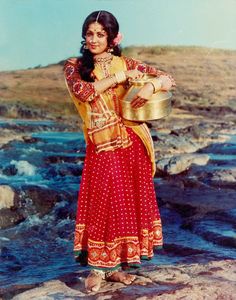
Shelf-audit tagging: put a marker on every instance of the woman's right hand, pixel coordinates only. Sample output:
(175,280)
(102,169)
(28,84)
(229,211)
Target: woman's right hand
(133,74)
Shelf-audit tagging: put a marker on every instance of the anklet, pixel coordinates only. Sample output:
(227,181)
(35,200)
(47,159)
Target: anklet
(109,273)
(100,273)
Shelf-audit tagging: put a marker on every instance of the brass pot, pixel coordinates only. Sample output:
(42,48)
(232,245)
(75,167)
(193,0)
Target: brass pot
(159,106)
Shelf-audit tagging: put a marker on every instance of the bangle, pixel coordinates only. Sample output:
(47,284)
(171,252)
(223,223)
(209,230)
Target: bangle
(120,76)
(153,86)
(156,87)
(113,77)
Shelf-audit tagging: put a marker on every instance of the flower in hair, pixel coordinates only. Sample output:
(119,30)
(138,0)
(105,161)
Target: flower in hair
(118,39)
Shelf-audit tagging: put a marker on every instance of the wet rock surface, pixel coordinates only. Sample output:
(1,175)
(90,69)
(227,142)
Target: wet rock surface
(10,217)
(180,163)
(213,280)
(195,186)
(6,196)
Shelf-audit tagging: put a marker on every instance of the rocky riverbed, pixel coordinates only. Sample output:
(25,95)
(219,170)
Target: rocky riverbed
(41,159)
(213,280)
(40,171)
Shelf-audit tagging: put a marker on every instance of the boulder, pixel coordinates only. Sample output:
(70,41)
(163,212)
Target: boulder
(173,143)
(6,196)
(37,199)
(9,213)
(180,163)
(224,178)
(9,218)
(28,200)
(10,170)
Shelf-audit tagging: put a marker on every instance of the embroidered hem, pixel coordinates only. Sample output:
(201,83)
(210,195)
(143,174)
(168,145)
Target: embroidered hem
(122,251)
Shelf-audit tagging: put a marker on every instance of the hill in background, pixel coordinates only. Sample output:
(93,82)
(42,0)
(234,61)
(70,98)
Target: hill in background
(205,83)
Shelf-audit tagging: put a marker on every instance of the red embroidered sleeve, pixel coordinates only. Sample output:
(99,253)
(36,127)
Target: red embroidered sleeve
(144,68)
(82,90)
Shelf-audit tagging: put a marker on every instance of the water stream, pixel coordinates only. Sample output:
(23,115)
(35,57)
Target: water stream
(41,247)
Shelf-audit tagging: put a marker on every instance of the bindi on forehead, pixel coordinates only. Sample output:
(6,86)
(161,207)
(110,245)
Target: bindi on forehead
(96,27)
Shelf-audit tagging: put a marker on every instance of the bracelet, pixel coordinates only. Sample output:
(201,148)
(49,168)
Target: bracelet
(156,88)
(153,86)
(114,81)
(120,76)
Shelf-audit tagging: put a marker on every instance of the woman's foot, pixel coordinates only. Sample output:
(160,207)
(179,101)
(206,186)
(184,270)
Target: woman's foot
(93,281)
(122,277)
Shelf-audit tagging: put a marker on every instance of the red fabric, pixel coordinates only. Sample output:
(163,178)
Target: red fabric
(118,219)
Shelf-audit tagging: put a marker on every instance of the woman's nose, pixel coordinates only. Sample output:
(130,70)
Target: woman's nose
(93,39)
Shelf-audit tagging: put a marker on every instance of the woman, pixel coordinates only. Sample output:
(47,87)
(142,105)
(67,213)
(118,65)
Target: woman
(118,221)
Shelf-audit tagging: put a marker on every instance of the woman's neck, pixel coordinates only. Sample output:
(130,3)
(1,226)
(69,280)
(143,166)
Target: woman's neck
(103,55)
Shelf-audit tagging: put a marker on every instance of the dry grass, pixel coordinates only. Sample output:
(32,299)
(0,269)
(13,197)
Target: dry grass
(204,76)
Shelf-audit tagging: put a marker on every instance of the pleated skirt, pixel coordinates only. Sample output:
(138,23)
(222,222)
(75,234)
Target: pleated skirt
(118,221)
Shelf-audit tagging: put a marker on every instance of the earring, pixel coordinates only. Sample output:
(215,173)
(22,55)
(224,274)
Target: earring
(110,50)
(84,46)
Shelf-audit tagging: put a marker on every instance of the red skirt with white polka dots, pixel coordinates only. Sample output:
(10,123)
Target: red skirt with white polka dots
(118,221)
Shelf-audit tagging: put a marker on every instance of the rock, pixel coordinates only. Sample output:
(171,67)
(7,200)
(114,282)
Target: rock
(226,178)
(6,196)
(55,159)
(15,289)
(9,214)
(221,232)
(67,211)
(37,199)
(223,177)
(29,139)
(197,281)
(203,200)
(53,289)
(175,144)
(6,136)
(27,201)
(167,274)
(10,170)
(70,170)
(9,218)
(197,131)
(211,281)
(181,163)
(16,207)
(217,147)
(185,138)
(217,238)
(15,110)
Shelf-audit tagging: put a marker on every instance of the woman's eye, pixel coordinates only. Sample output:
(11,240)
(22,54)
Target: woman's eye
(100,35)
(88,34)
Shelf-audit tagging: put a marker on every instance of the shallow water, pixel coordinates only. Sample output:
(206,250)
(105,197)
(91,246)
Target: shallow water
(222,155)
(41,248)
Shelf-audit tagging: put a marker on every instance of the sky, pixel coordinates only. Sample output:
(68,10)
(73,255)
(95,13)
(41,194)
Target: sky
(41,32)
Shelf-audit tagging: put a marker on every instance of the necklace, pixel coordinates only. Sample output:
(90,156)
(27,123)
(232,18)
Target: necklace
(104,63)
(100,60)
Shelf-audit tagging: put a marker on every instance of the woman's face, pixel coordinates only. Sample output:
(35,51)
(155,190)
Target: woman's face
(96,39)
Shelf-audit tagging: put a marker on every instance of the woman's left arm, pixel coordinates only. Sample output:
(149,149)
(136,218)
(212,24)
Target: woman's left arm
(166,79)
(161,82)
